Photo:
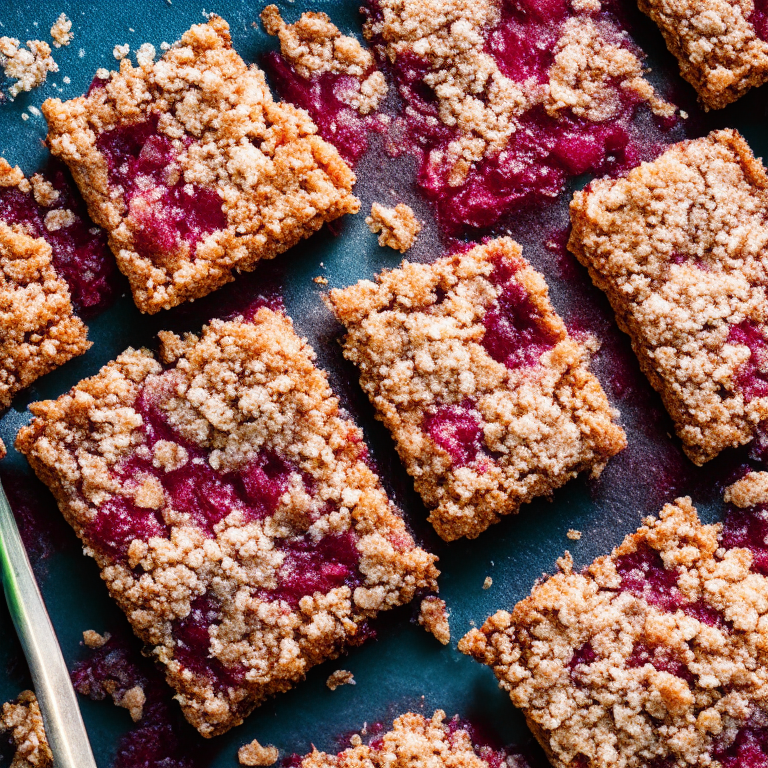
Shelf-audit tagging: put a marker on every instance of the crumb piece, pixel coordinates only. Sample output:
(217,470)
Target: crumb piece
(314,45)
(3,451)
(103,73)
(43,191)
(93,639)
(433,616)
(320,280)
(121,51)
(25,723)
(61,31)
(58,219)
(254,754)
(340,677)
(488,583)
(573,534)
(133,700)
(750,491)
(146,54)
(29,66)
(398,226)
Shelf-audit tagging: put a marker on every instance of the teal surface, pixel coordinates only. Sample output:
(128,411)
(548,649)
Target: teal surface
(404,668)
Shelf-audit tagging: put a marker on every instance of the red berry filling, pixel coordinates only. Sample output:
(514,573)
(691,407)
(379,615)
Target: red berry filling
(749,748)
(660,658)
(759,19)
(458,430)
(515,332)
(80,253)
(165,211)
(748,529)
(644,575)
(337,122)
(752,378)
(584,654)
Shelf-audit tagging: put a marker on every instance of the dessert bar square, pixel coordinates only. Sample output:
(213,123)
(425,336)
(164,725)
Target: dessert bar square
(231,509)
(193,170)
(38,330)
(416,741)
(656,655)
(489,400)
(680,246)
(722,46)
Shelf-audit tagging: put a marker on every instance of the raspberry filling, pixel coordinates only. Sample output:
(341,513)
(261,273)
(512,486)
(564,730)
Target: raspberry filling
(759,19)
(749,748)
(458,430)
(165,212)
(320,95)
(660,658)
(79,250)
(752,377)
(643,574)
(515,332)
(748,529)
(584,654)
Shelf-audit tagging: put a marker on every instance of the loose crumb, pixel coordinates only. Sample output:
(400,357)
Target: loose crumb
(25,723)
(93,639)
(398,226)
(320,280)
(573,534)
(433,616)
(61,31)
(29,66)
(121,51)
(255,754)
(145,54)
(133,700)
(3,451)
(340,677)
(488,583)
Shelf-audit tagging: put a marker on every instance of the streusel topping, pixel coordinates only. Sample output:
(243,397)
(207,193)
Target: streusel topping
(230,508)
(398,226)
(25,723)
(680,247)
(29,66)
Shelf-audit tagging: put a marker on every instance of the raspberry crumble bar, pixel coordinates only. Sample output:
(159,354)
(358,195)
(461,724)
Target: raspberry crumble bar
(38,330)
(416,741)
(722,46)
(488,398)
(655,656)
(193,170)
(680,246)
(230,508)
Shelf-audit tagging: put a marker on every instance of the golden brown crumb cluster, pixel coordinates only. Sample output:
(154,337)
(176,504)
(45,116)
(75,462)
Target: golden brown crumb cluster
(29,66)
(608,678)
(314,46)
(679,247)
(277,181)
(38,331)
(236,391)
(416,336)
(414,742)
(61,31)
(478,99)
(25,723)
(750,491)
(340,677)
(717,47)
(254,754)
(398,226)
(433,616)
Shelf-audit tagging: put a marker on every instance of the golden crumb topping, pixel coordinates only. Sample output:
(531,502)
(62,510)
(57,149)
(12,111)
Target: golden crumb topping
(340,677)
(238,393)
(679,247)
(398,226)
(229,143)
(25,723)
(750,491)
(417,335)
(433,616)
(29,66)
(716,45)
(38,331)
(61,31)
(655,653)
(254,754)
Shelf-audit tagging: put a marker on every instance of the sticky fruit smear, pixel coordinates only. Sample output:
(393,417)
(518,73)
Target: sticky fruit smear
(167,216)
(79,248)
(759,19)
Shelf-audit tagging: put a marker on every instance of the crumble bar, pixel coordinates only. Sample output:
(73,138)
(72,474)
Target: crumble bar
(679,246)
(193,170)
(230,508)
(25,723)
(489,400)
(720,51)
(38,331)
(656,655)
(398,226)
(416,741)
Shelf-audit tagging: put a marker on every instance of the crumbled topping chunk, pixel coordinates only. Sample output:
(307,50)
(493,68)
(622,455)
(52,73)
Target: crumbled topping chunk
(398,226)
(61,31)
(231,510)
(716,44)
(193,169)
(340,677)
(679,248)
(433,616)
(29,66)
(488,398)
(93,639)
(254,754)
(25,723)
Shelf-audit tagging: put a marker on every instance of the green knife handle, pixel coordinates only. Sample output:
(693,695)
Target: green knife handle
(61,715)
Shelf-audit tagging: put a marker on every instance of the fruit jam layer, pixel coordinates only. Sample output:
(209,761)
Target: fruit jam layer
(337,122)
(748,529)
(749,748)
(164,211)
(543,152)
(759,19)
(752,378)
(81,255)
